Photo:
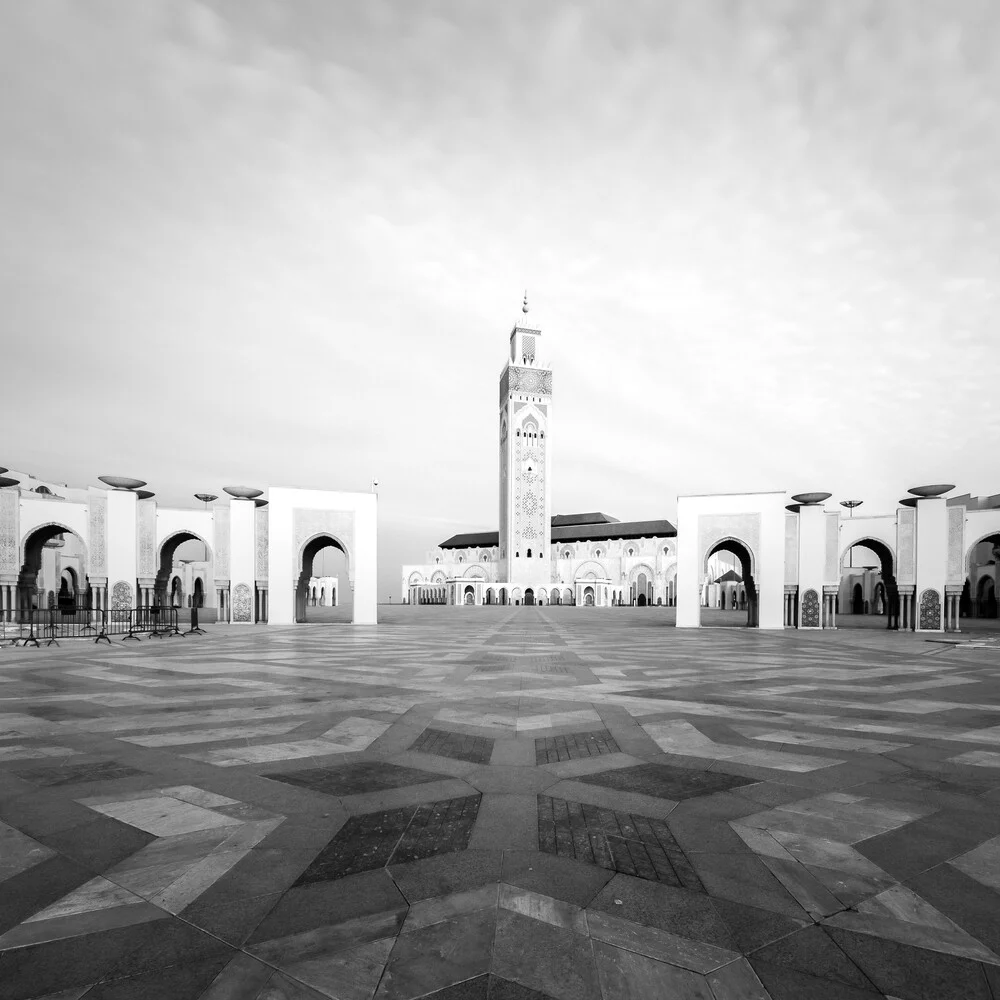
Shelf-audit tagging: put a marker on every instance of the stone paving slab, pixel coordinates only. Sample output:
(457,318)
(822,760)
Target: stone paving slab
(502,804)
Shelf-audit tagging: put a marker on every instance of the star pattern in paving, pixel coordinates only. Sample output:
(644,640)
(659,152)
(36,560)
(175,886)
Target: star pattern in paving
(502,804)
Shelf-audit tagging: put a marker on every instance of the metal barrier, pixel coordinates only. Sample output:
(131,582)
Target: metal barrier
(156,622)
(32,626)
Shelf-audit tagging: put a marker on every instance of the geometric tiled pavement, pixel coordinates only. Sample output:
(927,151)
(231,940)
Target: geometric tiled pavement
(502,804)
(574,746)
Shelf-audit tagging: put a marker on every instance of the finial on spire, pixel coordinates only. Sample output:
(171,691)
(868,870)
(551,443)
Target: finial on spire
(524,308)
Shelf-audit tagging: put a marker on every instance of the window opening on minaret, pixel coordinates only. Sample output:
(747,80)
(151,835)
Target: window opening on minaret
(529,553)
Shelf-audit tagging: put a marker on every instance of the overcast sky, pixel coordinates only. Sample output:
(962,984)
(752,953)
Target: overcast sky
(266,242)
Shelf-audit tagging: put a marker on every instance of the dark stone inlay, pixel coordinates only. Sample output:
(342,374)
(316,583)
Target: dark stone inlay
(620,842)
(459,746)
(71,774)
(665,781)
(395,836)
(356,779)
(521,667)
(572,746)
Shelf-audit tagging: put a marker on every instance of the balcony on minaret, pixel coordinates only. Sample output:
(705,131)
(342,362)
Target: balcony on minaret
(524,339)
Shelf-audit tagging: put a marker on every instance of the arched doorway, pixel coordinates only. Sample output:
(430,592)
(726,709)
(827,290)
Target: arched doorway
(878,599)
(857,600)
(180,547)
(176,593)
(34,582)
(588,597)
(986,598)
(470,595)
(748,593)
(890,599)
(198,593)
(981,569)
(69,588)
(529,597)
(324,555)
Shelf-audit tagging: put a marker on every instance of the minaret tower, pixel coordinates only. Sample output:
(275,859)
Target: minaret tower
(525,462)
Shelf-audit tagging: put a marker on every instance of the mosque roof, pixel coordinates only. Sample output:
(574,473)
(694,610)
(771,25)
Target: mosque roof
(975,503)
(571,529)
(595,517)
(472,540)
(730,576)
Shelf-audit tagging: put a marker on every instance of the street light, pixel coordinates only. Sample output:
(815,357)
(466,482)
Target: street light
(850,505)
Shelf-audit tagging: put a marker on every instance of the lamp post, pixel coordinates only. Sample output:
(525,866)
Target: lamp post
(850,505)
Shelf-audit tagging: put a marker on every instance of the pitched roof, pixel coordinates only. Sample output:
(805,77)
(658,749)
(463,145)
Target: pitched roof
(472,540)
(574,532)
(594,517)
(730,576)
(616,529)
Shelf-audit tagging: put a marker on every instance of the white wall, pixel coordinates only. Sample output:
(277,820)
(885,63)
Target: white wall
(169,521)
(36,511)
(359,510)
(764,510)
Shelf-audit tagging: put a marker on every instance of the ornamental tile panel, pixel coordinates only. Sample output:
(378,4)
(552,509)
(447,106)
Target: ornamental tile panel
(98,549)
(810,609)
(9,517)
(930,609)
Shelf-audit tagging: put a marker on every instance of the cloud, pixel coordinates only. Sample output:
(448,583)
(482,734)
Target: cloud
(761,238)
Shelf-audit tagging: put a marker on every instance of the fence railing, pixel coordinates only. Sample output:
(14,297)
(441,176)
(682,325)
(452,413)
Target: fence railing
(33,626)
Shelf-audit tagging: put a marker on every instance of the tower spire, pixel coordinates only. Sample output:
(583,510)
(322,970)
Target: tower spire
(524,308)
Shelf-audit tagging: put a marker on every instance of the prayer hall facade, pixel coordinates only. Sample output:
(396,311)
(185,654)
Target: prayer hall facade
(588,559)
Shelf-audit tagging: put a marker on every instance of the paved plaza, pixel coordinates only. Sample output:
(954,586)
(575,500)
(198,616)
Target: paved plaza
(502,804)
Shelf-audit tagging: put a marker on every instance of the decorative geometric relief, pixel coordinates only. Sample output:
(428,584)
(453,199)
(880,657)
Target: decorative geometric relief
(530,380)
(9,506)
(121,595)
(145,529)
(810,609)
(930,609)
(263,524)
(221,517)
(528,346)
(504,385)
(242,603)
(98,506)
(956,544)
(121,601)
(905,525)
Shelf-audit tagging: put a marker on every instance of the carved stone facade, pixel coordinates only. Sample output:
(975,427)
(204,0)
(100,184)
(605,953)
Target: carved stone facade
(810,617)
(98,552)
(121,600)
(242,603)
(221,543)
(260,558)
(930,610)
(9,542)
(956,545)
(145,540)
(906,557)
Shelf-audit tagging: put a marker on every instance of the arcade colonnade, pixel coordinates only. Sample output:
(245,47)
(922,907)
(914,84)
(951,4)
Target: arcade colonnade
(260,553)
(791,555)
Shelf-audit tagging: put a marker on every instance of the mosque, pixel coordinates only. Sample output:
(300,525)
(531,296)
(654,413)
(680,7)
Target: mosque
(537,557)
(923,566)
